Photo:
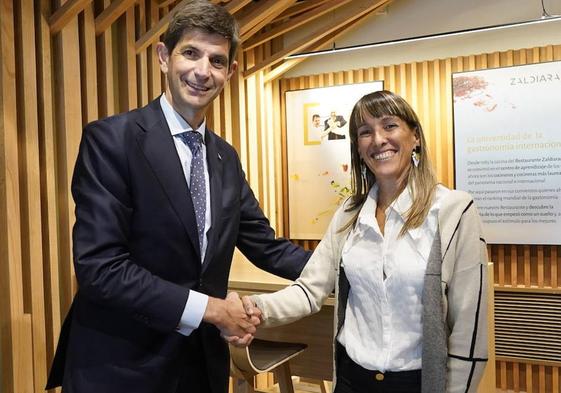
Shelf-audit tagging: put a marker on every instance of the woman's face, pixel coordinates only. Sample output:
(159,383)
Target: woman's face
(385,144)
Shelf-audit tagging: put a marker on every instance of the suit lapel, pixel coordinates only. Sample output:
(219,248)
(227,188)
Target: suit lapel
(159,149)
(214,161)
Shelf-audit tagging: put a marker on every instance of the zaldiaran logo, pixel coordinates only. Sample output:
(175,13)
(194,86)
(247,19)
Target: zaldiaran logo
(538,78)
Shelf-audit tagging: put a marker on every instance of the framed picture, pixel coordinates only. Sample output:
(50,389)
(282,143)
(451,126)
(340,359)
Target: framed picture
(318,153)
(507,150)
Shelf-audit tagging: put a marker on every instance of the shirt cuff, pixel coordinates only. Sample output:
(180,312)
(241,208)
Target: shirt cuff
(193,312)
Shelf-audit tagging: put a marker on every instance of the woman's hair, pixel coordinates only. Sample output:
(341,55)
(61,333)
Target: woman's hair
(208,17)
(421,180)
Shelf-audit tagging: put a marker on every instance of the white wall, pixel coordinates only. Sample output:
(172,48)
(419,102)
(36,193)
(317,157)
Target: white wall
(409,18)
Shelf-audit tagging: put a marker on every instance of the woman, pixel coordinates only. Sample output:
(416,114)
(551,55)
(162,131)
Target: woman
(408,263)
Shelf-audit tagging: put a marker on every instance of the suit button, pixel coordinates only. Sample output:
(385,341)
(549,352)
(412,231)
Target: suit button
(379,377)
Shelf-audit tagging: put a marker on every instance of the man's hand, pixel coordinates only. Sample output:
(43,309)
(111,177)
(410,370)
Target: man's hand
(230,317)
(254,313)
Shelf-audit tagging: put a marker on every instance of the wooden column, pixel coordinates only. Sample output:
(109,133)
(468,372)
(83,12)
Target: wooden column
(15,320)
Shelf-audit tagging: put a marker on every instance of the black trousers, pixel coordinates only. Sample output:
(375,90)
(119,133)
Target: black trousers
(194,375)
(353,378)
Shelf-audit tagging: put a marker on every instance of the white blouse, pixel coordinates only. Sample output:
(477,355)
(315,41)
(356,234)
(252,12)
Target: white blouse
(382,329)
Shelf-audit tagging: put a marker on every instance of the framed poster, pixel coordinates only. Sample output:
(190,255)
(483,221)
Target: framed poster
(318,153)
(507,150)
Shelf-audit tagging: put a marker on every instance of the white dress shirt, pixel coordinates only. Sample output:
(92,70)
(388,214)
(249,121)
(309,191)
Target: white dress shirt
(196,302)
(383,327)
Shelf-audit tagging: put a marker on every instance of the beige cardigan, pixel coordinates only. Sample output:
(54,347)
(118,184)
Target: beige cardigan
(454,295)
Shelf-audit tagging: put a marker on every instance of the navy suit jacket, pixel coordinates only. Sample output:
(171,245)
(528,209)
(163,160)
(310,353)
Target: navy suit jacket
(136,256)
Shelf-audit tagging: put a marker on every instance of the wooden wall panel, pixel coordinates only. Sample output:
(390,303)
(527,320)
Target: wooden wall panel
(128,87)
(28,140)
(141,22)
(15,323)
(427,87)
(48,191)
(105,70)
(68,124)
(154,74)
(88,65)
(53,82)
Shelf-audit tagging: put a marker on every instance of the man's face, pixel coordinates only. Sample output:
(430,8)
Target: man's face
(196,69)
(316,121)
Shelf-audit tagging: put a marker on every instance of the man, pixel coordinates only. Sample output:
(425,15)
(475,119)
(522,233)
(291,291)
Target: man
(161,202)
(332,126)
(316,121)
(316,133)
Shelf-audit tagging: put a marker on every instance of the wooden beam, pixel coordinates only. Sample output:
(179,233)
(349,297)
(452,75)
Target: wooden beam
(30,186)
(156,31)
(281,69)
(235,5)
(68,126)
(111,14)
(300,7)
(88,65)
(165,3)
(324,43)
(347,15)
(154,77)
(16,341)
(256,28)
(261,13)
(127,65)
(105,67)
(48,156)
(66,13)
(293,23)
(142,58)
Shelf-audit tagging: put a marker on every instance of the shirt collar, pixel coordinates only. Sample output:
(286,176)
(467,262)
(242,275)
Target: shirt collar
(177,124)
(403,202)
(400,206)
(368,211)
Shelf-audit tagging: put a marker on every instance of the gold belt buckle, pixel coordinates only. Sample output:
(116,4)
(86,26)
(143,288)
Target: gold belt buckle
(379,376)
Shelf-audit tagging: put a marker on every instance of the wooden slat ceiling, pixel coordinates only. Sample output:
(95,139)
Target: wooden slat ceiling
(261,22)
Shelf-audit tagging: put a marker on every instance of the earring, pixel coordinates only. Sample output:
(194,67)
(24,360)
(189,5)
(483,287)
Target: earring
(363,169)
(416,156)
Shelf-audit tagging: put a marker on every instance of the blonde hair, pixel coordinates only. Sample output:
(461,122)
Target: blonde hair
(421,180)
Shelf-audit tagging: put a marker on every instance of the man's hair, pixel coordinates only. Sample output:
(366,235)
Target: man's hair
(208,17)
(315,116)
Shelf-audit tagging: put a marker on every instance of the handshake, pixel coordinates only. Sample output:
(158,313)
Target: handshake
(237,319)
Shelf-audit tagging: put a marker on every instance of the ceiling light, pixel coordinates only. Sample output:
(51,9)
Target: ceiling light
(546,18)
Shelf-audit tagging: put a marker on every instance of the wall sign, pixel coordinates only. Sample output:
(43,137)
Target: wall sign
(507,137)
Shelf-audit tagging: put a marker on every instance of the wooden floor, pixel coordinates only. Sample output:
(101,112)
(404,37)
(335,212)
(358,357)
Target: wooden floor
(305,387)
(300,387)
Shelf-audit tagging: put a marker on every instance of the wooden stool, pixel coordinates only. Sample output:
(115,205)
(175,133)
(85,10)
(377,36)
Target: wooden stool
(263,356)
